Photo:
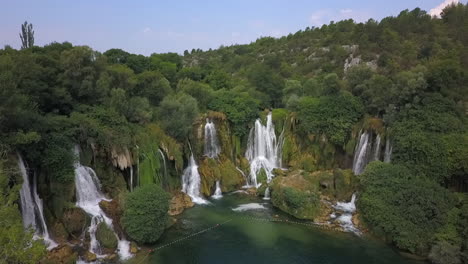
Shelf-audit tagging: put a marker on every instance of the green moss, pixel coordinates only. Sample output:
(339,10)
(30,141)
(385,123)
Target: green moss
(224,170)
(300,204)
(279,116)
(106,237)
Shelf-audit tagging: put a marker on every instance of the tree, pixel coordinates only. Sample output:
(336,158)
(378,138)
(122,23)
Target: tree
(145,213)
(27,35)
(177,113)
(411,224)
(332,116)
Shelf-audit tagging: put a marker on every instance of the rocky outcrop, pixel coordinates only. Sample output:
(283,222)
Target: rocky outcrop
(296,196)
(62,254)
(75,221)
(179,202)
(106,237)
(308,195)
(222,170)
(114,211)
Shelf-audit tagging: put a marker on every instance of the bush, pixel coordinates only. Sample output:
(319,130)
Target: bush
(333,116)
(145,213)
(411,224)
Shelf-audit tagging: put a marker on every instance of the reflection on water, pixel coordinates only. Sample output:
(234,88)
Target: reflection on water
(246,240)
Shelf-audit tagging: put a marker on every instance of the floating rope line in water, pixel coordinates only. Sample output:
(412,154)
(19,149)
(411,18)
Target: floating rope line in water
(271,220)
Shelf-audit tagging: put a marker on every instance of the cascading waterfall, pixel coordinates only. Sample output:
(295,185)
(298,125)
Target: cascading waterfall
(217,194)
(263,150)
(347,210)
(131,178)
(368,149)
(267,194)
(164,162)
(88,196)
(212,148)
(388,151)
(360,152)
(376,150)
(32,207)
(191,182)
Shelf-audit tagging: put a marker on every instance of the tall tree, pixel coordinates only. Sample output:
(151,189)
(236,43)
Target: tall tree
(27,35)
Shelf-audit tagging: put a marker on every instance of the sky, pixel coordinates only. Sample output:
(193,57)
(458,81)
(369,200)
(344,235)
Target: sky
(148,26)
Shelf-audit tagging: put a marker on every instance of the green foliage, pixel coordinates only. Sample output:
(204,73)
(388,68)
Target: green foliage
(177,113)
(18,245)
(239,108)
(333,117)
(203,93)
(410,225)
(145,213)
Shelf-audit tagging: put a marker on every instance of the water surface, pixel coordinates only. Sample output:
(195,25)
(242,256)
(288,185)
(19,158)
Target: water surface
(247,239)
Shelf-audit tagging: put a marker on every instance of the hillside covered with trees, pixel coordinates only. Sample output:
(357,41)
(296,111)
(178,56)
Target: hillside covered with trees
(404,78)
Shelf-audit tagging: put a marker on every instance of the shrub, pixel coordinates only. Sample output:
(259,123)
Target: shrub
(411,224)
(145,213)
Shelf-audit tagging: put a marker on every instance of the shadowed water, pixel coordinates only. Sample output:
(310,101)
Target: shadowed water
(245,240)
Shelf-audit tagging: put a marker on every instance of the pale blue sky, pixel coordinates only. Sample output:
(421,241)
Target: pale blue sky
(147,26)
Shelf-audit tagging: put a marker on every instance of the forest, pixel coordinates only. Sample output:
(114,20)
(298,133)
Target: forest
(404,78)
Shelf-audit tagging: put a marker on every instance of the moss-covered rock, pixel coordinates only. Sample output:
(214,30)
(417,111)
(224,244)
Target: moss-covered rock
(106,237)
(222,170)
(179,202)
(75,221)
(299,192)
(296,196)
(58,232)
(62,254)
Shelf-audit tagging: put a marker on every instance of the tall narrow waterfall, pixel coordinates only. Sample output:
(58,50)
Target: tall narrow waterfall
(212,148)
(88,196)
(360,152)
(32,208)
(163,158)
(388,151)
(191,182)
(368,149)
(263,150)
(217,194)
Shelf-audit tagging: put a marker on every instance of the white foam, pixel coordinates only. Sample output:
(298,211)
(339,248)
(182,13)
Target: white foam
(249,206)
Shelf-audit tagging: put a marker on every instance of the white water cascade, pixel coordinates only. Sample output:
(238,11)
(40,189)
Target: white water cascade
(88,196)
(218,193)
(388,151)
(164,162)
(191,182)
(346,218)
(32,209)
(368,149)
(263,151)
(212,148)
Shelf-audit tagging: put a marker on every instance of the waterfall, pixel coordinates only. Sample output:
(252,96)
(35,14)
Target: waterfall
(263,150)
(212,148)
(88,196)
(164,162)
(359,162)
(388,151)
(32,209)
(131,178)
(217,194)
(376,149)
(267,194)
(191,182)
(345,219)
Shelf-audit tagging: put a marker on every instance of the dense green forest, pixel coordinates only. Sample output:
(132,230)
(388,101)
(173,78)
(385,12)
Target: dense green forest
(404,76)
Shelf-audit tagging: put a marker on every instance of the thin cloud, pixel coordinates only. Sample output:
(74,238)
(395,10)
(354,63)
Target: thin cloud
(147,30)
(436,11)
(346,11)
